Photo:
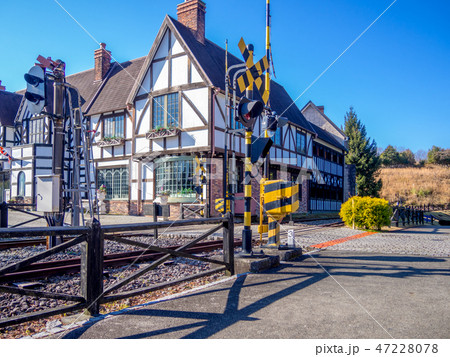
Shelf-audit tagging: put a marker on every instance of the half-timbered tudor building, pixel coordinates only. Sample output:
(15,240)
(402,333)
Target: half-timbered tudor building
(9,104)
(152,116)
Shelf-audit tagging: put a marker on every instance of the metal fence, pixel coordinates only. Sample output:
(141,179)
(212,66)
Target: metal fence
(91,239)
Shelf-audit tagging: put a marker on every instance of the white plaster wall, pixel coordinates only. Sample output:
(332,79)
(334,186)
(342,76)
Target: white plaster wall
(145,85)
(107,152)
(179,70)
(189,117)
(116,163)
(118,150)
(27,152)
(142,145)
(96,152)
(172,143)
(176,46)
(10,134)
(219,139)
(158,144)
(145,123)
(160,75)
(199,97)
(147,187)
(187,139)
(147,190)
(134,170)
(127,147)
(219,121)
(195,76)
(199,137)
(163,49)
(94,122)
(134,191)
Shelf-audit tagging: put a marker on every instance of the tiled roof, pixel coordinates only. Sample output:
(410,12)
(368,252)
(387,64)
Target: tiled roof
(212,60)
(9,104)
(326,136)
(111,93)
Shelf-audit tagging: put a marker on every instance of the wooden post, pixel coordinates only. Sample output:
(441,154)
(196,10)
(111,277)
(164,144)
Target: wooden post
(182,210)
(4,215)
(92,267)
(228,243)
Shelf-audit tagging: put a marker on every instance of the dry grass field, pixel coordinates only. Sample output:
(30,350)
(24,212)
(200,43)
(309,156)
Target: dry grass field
(416,185)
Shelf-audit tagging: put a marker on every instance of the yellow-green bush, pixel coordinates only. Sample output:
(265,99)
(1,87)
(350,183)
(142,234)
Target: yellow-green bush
(366,212)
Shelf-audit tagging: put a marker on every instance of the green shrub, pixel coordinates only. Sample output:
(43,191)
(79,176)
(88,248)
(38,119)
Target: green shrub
(366,212)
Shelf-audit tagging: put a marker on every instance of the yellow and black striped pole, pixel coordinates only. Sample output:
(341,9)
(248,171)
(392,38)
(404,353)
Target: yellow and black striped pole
(247,232)
(274,233)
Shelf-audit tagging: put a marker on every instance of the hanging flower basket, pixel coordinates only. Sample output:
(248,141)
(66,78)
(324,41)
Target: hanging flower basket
(162,133)
(110,142)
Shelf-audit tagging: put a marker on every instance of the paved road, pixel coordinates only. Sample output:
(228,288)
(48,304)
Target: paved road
(330,294)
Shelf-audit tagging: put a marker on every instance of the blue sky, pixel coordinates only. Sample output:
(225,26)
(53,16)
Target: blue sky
(397,76)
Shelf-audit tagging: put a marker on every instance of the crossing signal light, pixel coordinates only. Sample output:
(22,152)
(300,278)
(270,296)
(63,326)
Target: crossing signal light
(248,111)
(272,122)
(260,148)
(35,94)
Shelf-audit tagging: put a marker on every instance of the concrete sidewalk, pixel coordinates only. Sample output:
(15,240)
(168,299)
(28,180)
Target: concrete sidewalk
(366,296)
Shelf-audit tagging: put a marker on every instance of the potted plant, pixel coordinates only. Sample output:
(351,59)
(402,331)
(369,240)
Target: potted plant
(161,132)
(163,196)
(110,141)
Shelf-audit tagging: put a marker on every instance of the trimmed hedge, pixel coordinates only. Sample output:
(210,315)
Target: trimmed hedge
(366,212)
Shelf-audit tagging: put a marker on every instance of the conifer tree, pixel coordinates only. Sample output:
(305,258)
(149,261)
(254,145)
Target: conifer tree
(362,152)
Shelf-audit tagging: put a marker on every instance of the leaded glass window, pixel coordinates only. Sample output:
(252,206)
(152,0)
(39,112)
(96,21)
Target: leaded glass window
(115,181)
(175,176)
(165,111)
(21,184)
(301,142)
(114,126)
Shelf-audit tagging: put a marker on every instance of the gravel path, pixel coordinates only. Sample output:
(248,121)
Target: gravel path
(424,240)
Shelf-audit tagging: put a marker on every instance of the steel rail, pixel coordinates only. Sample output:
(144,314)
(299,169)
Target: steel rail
(60,267)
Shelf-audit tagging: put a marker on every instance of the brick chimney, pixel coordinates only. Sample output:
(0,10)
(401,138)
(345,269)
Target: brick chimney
(321,108)
(102,59)
(191,13)
(2,87)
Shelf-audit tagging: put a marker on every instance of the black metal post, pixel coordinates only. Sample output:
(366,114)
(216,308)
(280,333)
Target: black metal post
(155,218)
(92,267)
(228,243)
(4,215)
(58,147)
(247,231)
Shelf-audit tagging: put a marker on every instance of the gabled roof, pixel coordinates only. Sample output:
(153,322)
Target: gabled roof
(210,60)
(327,137)
(312,105)
(100,96)
(111,93)
(9,104)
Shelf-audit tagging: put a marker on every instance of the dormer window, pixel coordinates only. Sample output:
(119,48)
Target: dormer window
(114,126)
(165,111)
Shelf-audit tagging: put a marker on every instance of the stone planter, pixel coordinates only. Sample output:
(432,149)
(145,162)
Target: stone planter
(162,199)
(101,202)
(110,142)
(162,133)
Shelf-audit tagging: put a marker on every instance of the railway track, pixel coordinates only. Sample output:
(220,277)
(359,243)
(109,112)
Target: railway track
(66,266)
(19,243)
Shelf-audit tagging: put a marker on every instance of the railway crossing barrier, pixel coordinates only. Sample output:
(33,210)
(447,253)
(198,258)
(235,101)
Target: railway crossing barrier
(91,239)
(279,198)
